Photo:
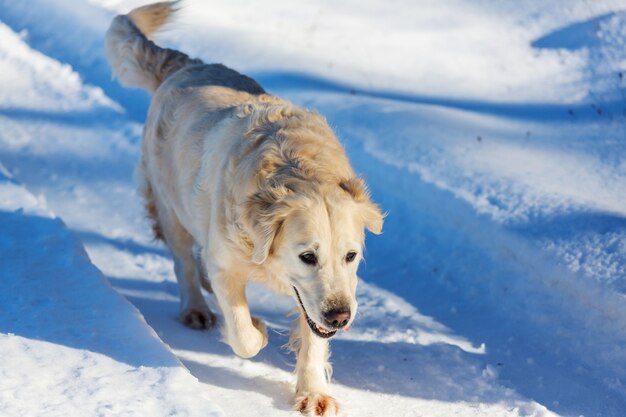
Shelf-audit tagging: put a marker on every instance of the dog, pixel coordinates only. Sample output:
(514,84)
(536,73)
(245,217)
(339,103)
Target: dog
(242,185)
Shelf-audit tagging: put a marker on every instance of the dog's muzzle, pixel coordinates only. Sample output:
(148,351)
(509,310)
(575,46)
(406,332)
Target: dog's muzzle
(315,328)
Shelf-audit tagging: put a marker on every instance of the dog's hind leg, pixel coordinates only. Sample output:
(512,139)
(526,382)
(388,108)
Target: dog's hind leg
(204,277)
(194,311)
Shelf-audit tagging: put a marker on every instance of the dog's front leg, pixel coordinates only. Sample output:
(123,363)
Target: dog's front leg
(313,372)
(245,334)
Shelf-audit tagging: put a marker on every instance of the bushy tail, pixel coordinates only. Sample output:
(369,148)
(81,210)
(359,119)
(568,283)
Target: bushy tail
(136,60)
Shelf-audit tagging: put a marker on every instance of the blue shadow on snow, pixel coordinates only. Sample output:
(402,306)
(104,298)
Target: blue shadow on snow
(50,291)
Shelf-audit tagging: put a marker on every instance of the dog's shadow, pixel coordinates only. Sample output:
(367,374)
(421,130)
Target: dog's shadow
(211,360)
(279,392)
(439,372)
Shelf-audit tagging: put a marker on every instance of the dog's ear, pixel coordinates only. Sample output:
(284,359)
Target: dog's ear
(370,212)
(265,212)
(373,217)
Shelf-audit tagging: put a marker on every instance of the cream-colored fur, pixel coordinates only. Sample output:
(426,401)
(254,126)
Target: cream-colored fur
(247,184)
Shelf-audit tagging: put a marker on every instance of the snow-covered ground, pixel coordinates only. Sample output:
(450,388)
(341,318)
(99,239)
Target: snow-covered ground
(492,132)
(69,344)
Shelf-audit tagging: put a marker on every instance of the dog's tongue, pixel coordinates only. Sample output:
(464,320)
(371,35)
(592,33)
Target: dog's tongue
(346,329)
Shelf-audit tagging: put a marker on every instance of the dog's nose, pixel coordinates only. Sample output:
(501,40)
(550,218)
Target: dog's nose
(337,317)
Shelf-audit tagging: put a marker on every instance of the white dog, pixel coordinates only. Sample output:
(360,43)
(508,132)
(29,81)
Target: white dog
(243,185)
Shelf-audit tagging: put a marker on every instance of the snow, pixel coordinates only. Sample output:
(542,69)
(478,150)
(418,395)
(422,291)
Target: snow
(491,132)
(405,46)
(69,344)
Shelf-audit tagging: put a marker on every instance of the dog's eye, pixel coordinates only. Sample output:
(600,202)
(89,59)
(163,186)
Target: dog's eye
(308,258)
(350,256)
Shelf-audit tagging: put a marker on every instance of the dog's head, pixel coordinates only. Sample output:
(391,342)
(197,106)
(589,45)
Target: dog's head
(311,237)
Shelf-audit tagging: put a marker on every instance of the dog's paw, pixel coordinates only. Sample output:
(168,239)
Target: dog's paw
(197,318)
(250,342)
(315,404)
(260,326)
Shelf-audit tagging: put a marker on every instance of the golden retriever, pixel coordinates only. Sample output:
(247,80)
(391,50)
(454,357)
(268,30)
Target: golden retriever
(242,185)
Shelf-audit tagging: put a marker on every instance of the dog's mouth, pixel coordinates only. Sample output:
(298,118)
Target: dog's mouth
(315,328)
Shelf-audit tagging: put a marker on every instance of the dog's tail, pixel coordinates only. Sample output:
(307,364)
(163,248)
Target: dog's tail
(136,60)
